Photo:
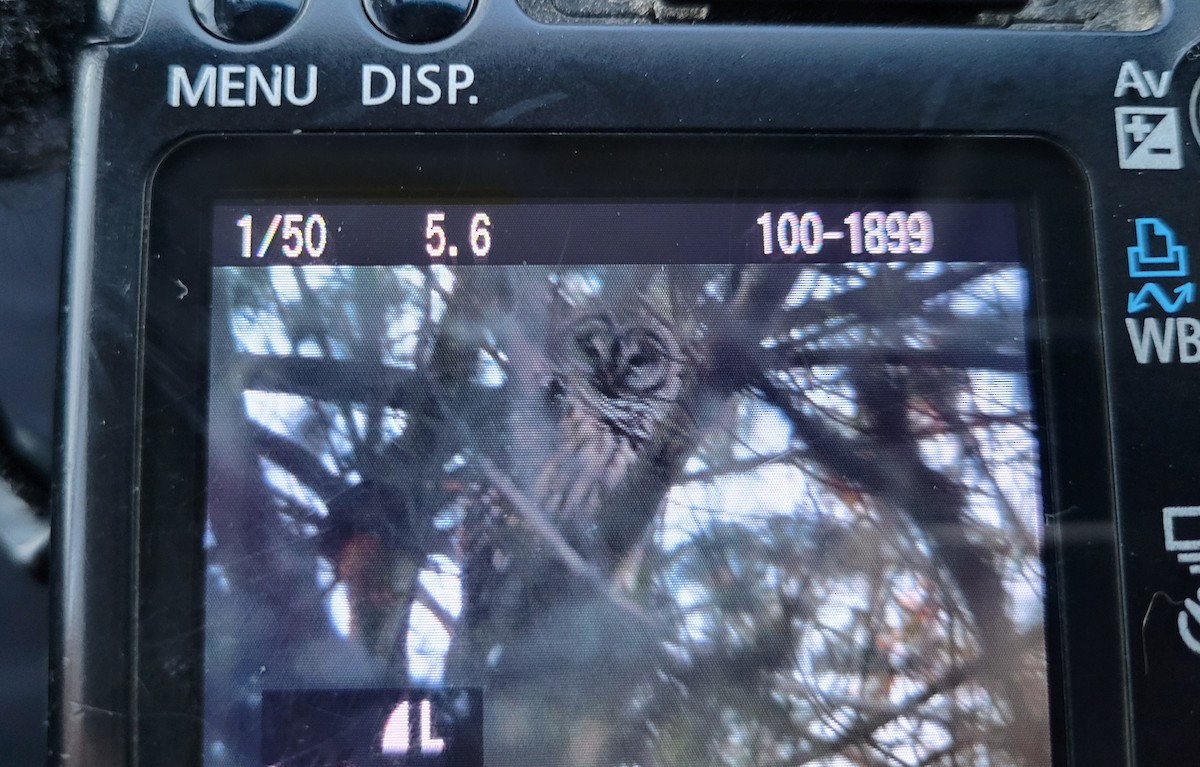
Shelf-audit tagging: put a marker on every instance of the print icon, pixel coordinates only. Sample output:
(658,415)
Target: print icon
(1148,138)
(1156,254)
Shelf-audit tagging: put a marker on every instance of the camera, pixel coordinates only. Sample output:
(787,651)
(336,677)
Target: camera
(552,382)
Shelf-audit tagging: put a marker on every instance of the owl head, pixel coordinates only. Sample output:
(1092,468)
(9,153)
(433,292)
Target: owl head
(617,371)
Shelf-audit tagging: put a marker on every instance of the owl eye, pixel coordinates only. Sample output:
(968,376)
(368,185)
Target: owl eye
(555,394)
(591,343)
(641,361)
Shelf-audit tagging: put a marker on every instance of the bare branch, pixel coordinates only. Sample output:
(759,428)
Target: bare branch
(563,550)
(432,605)
(330,380)
(860,731)
(295,459)
(965,358)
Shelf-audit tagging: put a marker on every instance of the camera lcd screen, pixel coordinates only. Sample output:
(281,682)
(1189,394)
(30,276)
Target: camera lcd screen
(606,483)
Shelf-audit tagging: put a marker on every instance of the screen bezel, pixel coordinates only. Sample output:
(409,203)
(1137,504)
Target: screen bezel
(1064,343)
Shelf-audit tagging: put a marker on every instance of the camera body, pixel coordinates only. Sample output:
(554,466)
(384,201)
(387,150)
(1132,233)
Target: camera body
(1102,129)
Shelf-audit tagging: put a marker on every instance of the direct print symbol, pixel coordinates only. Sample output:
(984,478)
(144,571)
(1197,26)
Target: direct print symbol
(1148,138)
(1156,254)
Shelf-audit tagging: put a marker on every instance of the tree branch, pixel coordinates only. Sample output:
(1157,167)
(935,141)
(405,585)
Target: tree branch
(870,298)
(295,459)
(330,380)
(563,550)
(860,731)
(965,358)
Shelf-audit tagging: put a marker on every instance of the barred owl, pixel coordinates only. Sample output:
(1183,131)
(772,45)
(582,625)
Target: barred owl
(614,385)
(594,443)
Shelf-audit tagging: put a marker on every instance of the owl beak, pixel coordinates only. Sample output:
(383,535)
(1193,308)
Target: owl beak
(607,384)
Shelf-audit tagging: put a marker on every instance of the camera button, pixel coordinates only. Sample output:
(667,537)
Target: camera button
(419,21)
(245,21)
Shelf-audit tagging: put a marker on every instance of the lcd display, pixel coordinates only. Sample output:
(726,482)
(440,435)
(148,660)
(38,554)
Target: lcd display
(603,483)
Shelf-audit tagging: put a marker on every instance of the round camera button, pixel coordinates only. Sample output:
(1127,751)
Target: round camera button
(245,21)
(419,21)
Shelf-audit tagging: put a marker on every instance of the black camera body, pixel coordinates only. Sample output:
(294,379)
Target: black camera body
(196,154)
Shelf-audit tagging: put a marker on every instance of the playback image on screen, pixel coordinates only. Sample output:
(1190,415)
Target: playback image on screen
(666,516)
